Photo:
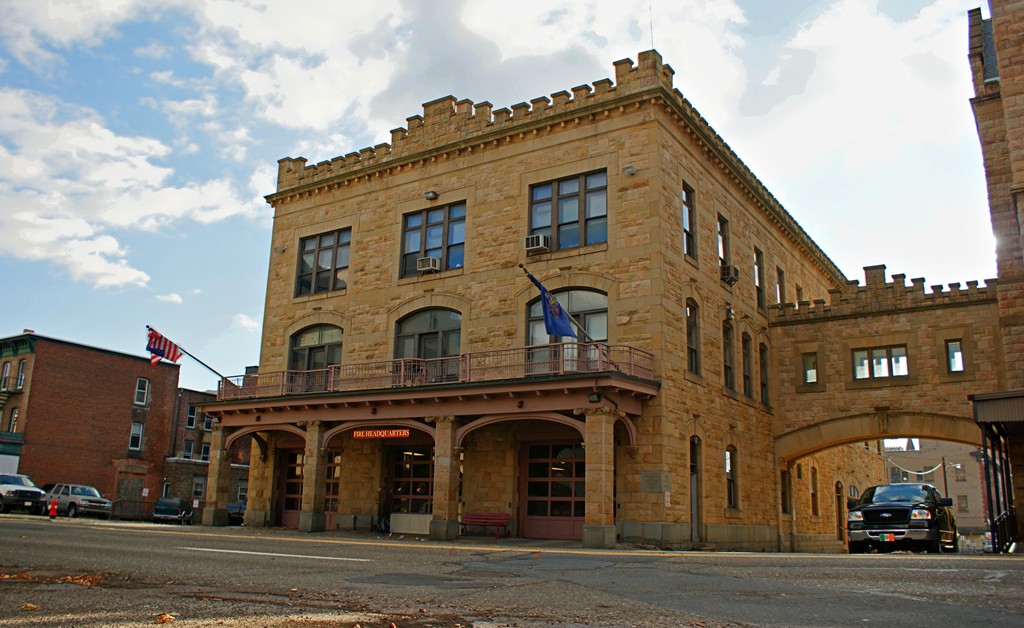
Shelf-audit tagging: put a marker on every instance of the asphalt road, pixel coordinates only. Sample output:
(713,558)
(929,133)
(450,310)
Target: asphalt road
(99,573)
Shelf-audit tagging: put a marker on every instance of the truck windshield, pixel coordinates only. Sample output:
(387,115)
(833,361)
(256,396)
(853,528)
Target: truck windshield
(901,493)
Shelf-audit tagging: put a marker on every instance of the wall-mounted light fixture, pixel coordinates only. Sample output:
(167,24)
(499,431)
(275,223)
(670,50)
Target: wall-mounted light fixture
(279,249)
(729,314)
(594,397)
(431,195)
(629,170)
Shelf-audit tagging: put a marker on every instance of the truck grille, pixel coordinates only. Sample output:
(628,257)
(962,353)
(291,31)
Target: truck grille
(887,516)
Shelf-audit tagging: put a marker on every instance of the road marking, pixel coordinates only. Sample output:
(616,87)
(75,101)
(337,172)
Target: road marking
(225,551)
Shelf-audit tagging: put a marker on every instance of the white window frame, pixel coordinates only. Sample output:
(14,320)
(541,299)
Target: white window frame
(142,388)
(204,452)
(187,448)
(190,418)
(138,430)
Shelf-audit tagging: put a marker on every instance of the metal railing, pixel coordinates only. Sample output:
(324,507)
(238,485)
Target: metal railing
(499,364)
(1005,530)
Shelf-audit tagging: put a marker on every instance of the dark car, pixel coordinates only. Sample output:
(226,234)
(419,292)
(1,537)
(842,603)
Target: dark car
(78,499)
(236,513)
(173,510)
(901,516)
(18,492)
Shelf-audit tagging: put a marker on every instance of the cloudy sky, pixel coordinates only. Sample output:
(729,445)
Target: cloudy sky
(138,137)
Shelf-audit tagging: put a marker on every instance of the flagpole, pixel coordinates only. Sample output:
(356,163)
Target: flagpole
(182,349)
(572,320)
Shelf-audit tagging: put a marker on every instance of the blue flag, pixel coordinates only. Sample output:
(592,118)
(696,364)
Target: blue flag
(556,321)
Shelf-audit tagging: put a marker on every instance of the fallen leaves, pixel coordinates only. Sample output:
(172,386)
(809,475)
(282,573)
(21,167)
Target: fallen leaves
(83,580)
(29,607)
(164,618)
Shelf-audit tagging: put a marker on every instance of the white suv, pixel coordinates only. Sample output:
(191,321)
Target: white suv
(17,492)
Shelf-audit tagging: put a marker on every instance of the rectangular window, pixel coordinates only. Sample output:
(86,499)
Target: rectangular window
(926,475)
(748,380)
(954,356)
(727,356)
(198,486)
(895,475)
(439,232)
(880,362)
(573,212)
(323,262)
(187,448)
(762,354)
(784,493)
(243,491)
(960,473)
(759,278)
(799,295)
(142,392)
(190,419)
(207,422)
(961,503)
(6,373)
(689,223)
(204,453)
(723,241)
(135,440)
(731,494)
(20,383)
(780,285)
(810,368)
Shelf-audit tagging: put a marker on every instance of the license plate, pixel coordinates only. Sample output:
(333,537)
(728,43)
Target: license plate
(28,504)
(887,537)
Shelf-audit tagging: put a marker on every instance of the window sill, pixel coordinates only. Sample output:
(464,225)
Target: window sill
(319,296)
(733,512)
(693,378)
(730,393)
(563,253)
(411,279)
(882,382)
(817,387)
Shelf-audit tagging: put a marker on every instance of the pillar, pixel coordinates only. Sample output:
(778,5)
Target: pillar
(217,490)
(261,480)
(314,480)
(445,523)
(599,522)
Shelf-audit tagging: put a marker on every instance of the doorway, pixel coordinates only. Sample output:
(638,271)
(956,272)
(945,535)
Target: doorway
(553,489)
(696,523)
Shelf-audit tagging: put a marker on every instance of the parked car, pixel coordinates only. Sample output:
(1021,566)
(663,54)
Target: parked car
(236,513)
(18,492)
(988,547)
(77,499)
(173,510)
(901,516)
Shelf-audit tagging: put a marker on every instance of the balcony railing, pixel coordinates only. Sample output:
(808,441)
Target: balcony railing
(500,364)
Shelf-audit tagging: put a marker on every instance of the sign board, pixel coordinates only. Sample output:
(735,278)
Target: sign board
(394,433)
(145,492)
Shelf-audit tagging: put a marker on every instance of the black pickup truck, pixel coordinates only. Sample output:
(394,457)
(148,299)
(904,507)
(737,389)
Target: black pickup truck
(901,516)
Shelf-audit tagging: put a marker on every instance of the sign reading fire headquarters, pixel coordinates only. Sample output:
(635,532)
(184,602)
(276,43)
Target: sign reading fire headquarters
(398,433)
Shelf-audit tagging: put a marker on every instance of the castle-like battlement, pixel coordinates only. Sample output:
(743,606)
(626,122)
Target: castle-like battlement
(881,297)
(447,121)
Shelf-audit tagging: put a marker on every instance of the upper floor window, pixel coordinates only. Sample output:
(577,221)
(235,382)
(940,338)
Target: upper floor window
(961,503)
(780,285)
(186,451)
(692,337)
(728,373)
(315,348)
(439,232)
(880,362)
(810,368)
(723,241)
(427,334)
(746,347)
(142,392)
(323,262)
(589,308)
(759,278)
(190,418)
(954,356)
(762,355)
(204,452)
(731,489)
(4,374)
(12,423)
(572,212)
(198,486)
(207,422)
(799,295)
(689,222)
(135,439)
(20,383)
(959,473)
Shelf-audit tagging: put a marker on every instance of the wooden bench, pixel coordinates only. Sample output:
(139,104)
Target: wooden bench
(496,520)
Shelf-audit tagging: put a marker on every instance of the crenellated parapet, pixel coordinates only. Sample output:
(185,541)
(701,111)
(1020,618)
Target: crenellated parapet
(879,297)
(451,129)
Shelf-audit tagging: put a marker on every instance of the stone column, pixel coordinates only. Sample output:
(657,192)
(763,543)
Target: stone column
(262,455)
(599,523)
(445,523)
(314,480)
(217,491)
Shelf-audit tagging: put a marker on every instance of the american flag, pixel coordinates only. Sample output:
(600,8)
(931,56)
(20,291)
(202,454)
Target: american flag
(161,347)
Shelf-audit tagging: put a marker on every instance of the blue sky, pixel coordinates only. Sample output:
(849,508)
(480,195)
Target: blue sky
(138,138)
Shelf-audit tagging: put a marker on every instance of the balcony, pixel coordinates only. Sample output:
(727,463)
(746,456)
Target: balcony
(554,361)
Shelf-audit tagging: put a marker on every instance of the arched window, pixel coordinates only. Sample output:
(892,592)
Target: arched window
(433,333)
(815,508)
(692,337)
(588,307)
(728,373)
(731,488)
(315,348)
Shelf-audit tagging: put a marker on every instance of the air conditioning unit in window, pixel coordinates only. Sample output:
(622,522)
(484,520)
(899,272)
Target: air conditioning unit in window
(538,243)
(730,274)
(428,264)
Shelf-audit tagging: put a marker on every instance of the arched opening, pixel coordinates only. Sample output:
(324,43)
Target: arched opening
(433,334)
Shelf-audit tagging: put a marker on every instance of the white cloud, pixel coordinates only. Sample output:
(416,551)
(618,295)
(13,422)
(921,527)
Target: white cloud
(246,323)
(153,50)
(73,180)
(170,298)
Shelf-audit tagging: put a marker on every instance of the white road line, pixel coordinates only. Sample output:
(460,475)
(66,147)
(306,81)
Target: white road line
(224,551)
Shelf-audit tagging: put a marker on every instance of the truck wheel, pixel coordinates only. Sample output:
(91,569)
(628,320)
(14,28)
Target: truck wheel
(72,511)
(935,546)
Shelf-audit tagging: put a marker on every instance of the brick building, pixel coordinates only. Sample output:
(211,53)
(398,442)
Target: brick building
(86,415)
(406,367)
